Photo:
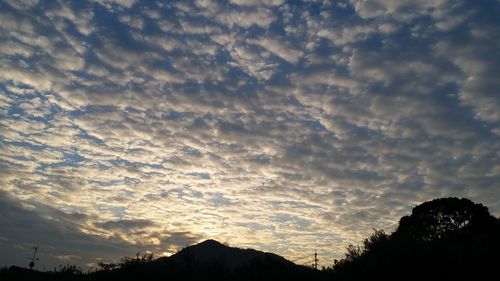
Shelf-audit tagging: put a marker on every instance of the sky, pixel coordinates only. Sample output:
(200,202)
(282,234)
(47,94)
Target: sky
(284,126)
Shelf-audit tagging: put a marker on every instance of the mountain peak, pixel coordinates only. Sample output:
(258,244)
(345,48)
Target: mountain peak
(212,251)
(210,242)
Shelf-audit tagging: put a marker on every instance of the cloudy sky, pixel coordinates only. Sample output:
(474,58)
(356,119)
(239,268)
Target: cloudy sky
(284,126)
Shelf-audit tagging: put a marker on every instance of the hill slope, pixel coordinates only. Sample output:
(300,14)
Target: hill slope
(213,252)
(208,260)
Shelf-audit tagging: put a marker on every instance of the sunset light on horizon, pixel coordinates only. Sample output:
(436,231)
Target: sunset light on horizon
(283,126)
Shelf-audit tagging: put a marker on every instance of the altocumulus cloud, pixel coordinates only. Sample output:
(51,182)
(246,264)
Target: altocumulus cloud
(139,125)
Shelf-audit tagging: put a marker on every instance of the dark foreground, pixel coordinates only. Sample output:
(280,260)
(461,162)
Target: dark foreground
(443,239)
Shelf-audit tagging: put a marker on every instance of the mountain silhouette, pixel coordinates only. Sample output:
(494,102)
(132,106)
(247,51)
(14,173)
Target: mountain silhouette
(208,260)
(213,252)
(442,239)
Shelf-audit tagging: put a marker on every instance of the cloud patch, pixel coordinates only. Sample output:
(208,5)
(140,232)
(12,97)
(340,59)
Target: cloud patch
(140,125)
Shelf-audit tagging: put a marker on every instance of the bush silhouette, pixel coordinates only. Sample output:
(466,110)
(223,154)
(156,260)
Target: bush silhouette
(443,239)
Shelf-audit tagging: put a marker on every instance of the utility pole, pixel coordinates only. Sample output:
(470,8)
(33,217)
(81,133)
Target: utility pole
(315,260)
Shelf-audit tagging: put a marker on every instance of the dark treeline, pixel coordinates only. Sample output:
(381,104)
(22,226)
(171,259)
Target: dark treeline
(443,239)
(257,269)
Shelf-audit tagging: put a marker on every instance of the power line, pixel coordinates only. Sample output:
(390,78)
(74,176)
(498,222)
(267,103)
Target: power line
(310,262)
(301,258)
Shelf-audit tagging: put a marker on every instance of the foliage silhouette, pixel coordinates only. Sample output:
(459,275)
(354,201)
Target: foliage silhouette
(444,217)
(70,269)
(443,239)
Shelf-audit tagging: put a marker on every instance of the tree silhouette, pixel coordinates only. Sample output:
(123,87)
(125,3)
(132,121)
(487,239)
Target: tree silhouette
(442,218)
(443,239)
(379,239)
